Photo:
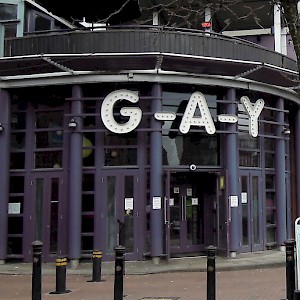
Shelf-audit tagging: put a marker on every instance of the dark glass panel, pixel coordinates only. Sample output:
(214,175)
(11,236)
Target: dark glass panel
(249,158)
(48,159)
(54,215)
(111,139)
(87,203)
(42,23)
(39,201)
(16,184)
(120,157)
(15,225)
(17,140)
(8,11)
(17,160)
(87,243)
(87,223)
(192,148)
(270,160)
(18,121)
(49,139)
(14,245)
(88,182)
(52,119)
(269,144)
(10,30)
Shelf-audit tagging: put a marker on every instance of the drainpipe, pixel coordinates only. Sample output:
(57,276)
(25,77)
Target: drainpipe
(277,28)
(5,104)
(232,167)
(280,177)
(156,216)
(297,158)
(75,178)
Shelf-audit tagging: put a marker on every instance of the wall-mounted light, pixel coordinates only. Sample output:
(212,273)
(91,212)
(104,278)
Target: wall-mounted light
(1,127)
(286,131)
(222,182)
(72,124)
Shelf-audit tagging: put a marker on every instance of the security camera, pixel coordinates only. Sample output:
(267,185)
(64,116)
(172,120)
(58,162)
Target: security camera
(193,167)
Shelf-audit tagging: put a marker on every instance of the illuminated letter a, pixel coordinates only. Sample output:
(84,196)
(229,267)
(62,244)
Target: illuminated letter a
(189,118)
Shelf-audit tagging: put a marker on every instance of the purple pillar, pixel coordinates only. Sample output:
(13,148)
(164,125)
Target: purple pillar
(4,170)
(75,178)
(232,167)
(297,158)
(156,217)
(280,176)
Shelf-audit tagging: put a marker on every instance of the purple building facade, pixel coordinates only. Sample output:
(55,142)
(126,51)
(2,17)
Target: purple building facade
(163,140)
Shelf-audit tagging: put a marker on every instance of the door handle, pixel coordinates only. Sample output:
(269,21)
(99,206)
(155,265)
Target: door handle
(182,207)
(165,209)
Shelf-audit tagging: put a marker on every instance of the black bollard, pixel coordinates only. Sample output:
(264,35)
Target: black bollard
(37,270)
(290,268)
(97,258)
(119,272)
(61,265)
(211,273)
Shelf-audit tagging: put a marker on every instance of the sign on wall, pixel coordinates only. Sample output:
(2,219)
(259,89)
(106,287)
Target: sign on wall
(196,102)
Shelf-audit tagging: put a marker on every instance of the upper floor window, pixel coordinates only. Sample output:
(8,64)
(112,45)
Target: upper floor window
(8,18)
(8,11)
(42,23)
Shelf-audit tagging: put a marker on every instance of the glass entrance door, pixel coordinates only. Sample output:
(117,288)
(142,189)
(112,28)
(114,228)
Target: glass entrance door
(186,218)
(190,214)
(46,218)
(251,212)
(120,214)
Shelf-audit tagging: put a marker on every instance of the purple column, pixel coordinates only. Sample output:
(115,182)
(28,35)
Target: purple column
(297,158)
(156,217)
(75,179)
(280,176)
(232,167)
(4,170)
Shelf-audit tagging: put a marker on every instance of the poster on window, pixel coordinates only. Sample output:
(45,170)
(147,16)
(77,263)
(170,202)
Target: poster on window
(14,208)
(128,203)
(244,198)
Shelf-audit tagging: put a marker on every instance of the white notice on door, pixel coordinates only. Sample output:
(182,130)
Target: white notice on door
(244,198)
(234,201)
(156,203)
(14,208)
(194,201)
(171,201)
(129,203)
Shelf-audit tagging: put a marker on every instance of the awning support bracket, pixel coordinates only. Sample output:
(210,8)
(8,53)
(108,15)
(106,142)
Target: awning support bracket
(50,61)
(249,71)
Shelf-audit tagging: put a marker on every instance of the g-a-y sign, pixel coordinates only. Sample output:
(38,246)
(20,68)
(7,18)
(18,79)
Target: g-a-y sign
(196,101)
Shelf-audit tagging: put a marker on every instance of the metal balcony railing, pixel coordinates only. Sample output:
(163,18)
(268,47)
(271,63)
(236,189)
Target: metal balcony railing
(144,39)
